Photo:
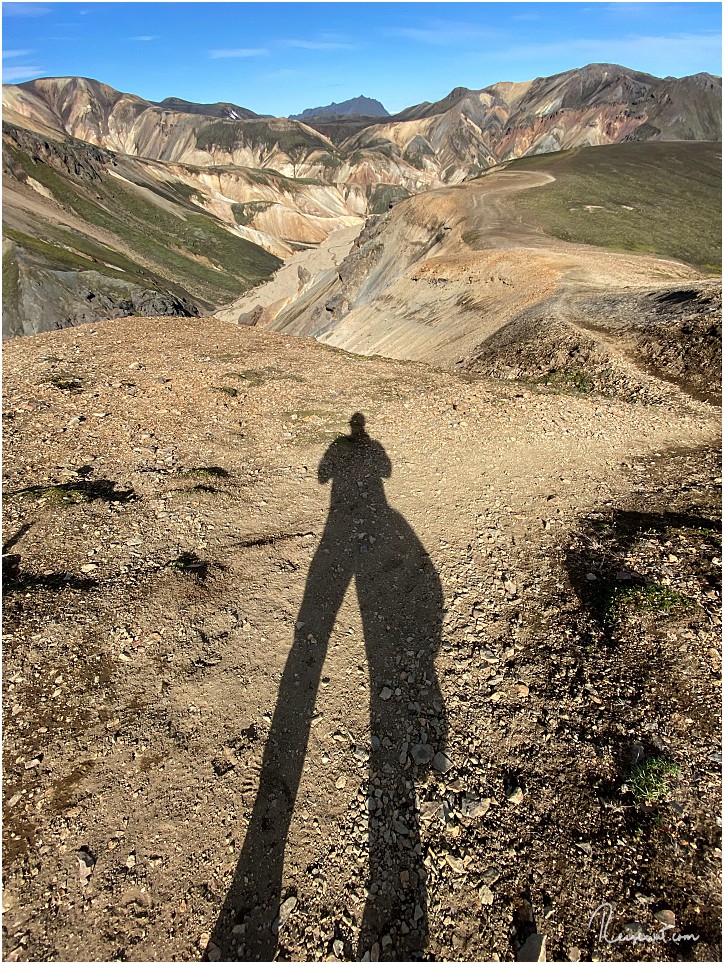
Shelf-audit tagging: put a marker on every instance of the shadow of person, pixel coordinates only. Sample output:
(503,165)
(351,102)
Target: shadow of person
(400,599)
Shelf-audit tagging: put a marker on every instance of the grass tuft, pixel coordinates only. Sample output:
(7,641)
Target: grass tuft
(649,781)
(650,599)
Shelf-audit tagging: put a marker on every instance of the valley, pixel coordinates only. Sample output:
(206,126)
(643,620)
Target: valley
(112,175)
(361,525)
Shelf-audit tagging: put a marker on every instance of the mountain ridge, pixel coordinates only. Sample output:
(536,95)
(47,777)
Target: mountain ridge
(280,182)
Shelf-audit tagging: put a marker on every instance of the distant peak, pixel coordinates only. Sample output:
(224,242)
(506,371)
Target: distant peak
(356,107)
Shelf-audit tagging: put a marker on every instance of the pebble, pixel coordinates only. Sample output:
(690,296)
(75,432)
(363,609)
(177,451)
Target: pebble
(456,863)
(286,910)
(667,917)
(486,895)
(338,948)
(429,810)
(86,863)
(422,753)
(514,796)
(386,693)
(474,806)
(442,762)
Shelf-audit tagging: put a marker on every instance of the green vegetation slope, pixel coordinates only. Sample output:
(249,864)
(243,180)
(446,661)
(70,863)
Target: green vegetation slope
(650,198)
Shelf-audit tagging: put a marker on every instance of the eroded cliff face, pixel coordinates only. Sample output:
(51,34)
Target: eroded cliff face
(458,278)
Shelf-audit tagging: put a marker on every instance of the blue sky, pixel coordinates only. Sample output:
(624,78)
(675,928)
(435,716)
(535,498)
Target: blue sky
(279,58)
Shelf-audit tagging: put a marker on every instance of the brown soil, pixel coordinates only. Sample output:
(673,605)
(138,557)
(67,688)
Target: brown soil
(435,762)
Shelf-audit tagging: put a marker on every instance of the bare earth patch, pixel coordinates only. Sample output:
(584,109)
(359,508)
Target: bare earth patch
(510,615)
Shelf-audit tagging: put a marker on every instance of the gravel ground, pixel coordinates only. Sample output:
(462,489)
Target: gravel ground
(465,702)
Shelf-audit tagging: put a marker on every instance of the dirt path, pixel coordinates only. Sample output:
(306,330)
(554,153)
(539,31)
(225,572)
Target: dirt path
(169,546)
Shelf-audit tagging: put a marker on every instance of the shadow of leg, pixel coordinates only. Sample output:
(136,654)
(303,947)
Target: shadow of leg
(401,602)
(396,907)
(245,929)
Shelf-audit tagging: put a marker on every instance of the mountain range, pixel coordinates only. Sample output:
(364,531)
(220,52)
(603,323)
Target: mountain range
(112,201)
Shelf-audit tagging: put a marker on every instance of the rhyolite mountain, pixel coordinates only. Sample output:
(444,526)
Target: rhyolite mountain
(355,107)
(421,147)
(229,111)
(110,197)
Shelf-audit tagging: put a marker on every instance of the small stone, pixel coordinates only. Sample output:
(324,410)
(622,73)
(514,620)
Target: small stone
(213,951)
(131,861)
(419,913)
(86,863)
(486,895)
(35,762)
(286,910)
(422,753)
(442,762)
(534,949)
(338,948)
(574,953)
(586,848)
(474,807)
(429,810)
(667,917)
(456,863)
(341,783)
(386,693)
(515,796)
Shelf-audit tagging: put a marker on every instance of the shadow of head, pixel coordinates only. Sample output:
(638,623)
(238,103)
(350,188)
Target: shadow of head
(357,426)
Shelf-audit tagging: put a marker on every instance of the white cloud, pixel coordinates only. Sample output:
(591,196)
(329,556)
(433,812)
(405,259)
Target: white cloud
(317,44)
(670,49)
(144,38)
(7,54)
(447,33)
(12,75)
(237,52)
(25,10)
